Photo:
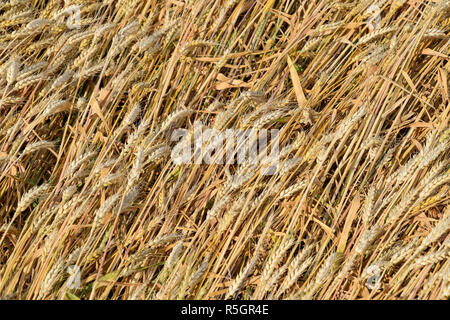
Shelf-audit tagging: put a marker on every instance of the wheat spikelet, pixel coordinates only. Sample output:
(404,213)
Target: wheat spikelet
(94,255)
(51,278)
(435,34)
(136,169)
(109,179)
(176,251)
(268,118)
(375,34)
(31,80)
(158,154)
(68,193)
(367,238)
(137,259)
(83,57)
(430,258)
(271,283)
(325,29)
(28,198)
(445,293)
(133,140)
(12,71)
(230,215)
(198,274)
(28,71)
(33,147)
(310,45)
(185,50)
(289,165)
(403,252)
(239,280)
(438,230)
(130,117)
(174,117)
(174,255)
(296,268)
(89,72)
(271,263)
(217,207)
(62,79)
(286,193)
(78,162)
(294,146)
(325,271)
(368,208)
(55,107)
(254,96)
(78,37)
(39,221)
(374,57)
(252,116)
(360,248)
(101,212)
(37,24)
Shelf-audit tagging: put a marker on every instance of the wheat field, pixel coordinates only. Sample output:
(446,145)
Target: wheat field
(92,205)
